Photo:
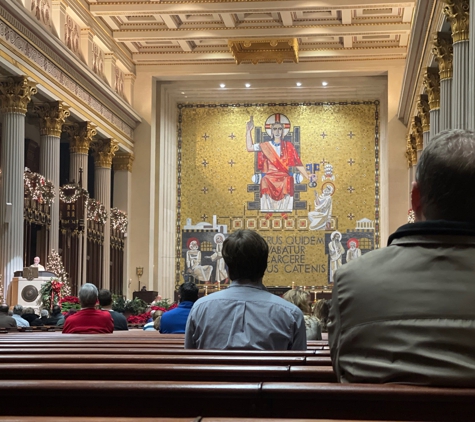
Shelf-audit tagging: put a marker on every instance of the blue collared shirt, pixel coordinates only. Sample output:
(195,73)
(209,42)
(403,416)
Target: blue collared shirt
(174,321)
(245,317)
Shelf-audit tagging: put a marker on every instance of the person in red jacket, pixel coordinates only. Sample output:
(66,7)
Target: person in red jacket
(88,320)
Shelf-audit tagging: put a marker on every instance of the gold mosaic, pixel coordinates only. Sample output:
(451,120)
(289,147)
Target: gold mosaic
(313,173)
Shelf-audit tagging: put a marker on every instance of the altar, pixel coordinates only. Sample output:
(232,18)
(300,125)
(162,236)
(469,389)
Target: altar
(26,291)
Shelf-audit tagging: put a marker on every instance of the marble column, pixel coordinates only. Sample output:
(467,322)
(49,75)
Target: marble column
(52,117)
(81,135)
(104,151)
(471,77)
(431,83)
(15,94)
(457,13)
(423,111)
(443,52)
(122,165)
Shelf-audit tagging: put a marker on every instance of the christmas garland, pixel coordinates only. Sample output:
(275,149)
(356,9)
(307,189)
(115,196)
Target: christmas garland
(38,188)
(96,211)
(411,216)
(119,220)
(68,199)
(51,292)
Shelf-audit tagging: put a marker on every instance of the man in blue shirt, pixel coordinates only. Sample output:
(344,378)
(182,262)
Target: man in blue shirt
(245,316)
(174,321)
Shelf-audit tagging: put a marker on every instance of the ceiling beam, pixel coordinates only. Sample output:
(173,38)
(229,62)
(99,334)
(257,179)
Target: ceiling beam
(131,8)
(286,18)
(149,33)
(228,20)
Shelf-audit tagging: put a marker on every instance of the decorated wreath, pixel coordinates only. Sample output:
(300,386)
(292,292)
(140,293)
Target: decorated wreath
(96,211)
(52,291)
(71,197)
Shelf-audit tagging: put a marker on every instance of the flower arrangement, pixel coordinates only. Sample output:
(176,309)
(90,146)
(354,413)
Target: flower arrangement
(51,292)
(69,302)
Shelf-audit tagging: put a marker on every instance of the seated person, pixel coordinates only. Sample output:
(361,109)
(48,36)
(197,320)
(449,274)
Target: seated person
(55,316)
(36,263)
(174,321)
(321,311)
(302,300)
(6,321)
(404,313)
(105,300)
(88,320)
(44,315)
(31,317)
(154,324)
(17,312)
(245,316)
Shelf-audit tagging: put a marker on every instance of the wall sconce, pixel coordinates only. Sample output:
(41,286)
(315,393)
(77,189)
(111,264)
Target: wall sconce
(139,272)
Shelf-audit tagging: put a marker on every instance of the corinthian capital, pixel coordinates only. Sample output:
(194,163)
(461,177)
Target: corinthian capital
(432,86)
(411,150)
(443,51)
(81,135)
(52,116)
(16,93)
(123,161)
(457,12)
(416,131)
(423,112)
(104,151)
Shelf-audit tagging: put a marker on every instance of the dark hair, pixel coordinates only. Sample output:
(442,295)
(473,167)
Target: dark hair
(105,297)
(446,177)
(245,253)
(4,309)
(56,310)
(188,292)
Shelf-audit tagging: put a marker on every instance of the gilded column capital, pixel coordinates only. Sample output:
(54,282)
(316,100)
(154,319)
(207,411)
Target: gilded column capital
(443,51)
(123,161)
(81,136)
(432,86)
(411,150)
(52,117)
(104,151)
(417,133)
(16,93)
(423,111)
(458,14)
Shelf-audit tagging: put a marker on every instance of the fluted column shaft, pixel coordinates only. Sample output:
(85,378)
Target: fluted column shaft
(15,94)
(104,151)
(460,95)
(102,192)
(49,168)
(471,70)
(434,123)
(13,165)
(426,137)
(78,160)
(445,116)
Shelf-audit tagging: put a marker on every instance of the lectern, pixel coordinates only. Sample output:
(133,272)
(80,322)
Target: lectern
(146,296)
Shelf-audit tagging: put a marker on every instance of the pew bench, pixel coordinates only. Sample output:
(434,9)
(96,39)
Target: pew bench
(81,398)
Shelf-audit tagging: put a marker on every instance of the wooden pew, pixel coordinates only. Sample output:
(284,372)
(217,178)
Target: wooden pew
(234,400)
(165,372)
(221,359)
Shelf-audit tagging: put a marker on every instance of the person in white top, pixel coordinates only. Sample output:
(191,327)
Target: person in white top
(36,263)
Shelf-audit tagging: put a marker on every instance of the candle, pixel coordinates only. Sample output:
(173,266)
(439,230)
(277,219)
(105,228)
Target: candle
(315,296)
(304,288)
(219,285)
(293,285)
(206,290)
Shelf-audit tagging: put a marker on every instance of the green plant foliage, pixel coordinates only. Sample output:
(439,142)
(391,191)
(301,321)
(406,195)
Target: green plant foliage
(163,303)
(135,306)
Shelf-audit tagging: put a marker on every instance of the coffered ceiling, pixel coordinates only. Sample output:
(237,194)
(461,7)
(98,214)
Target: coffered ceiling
(199,32)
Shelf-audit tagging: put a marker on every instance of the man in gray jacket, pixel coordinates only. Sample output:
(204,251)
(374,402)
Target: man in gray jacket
(406,313)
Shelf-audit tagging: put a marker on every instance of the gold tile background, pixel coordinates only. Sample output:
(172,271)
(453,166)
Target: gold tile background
(216,169)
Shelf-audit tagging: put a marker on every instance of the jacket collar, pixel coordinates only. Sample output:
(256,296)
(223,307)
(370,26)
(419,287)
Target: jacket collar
(436,229)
